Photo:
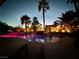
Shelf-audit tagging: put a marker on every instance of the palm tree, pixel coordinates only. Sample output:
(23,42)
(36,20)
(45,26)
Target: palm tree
(35,24)
(70,18)
(67,16)
(75,2)
(25,20)
(43,5)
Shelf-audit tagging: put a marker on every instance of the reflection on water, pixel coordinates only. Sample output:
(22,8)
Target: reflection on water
(42,39)
(55,39)
(34,37)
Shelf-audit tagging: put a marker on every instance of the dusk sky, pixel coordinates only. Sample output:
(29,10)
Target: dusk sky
(12,10)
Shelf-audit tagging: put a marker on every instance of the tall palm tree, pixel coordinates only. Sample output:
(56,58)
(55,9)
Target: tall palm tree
(75,2)
(43,6)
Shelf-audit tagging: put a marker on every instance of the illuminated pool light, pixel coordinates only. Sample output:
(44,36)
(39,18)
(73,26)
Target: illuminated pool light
(42,40)
(55,39)
(37,40)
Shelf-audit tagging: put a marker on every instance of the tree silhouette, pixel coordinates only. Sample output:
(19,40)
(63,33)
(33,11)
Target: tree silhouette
(76,4)
(2,2)
(43,5)
(35,24)
(25,20)
(3,28)
(67,17)
(57,22)
(70,17)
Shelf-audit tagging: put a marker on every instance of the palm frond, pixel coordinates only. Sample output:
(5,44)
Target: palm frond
(40,6)
(72,1)
(47,3)
(68,1)
(47,7)
(43,4)
(45,10)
